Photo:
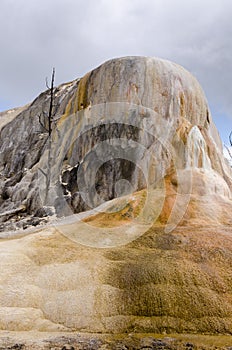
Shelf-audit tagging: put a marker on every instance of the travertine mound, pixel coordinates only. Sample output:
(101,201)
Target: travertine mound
(123,127)
(175,282)
(133,141)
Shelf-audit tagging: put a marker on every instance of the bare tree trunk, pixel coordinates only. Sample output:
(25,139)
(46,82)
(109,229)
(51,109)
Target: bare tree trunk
(49,129)
(50,115)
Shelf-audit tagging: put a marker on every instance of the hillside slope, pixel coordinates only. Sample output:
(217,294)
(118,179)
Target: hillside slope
(136,197)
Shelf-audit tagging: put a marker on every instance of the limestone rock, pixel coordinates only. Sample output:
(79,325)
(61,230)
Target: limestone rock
(135,145)
(121,128)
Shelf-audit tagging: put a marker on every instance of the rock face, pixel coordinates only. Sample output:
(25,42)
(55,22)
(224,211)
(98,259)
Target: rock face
(121,128)
(134,142)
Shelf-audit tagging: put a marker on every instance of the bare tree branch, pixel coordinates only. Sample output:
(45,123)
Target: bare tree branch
(42,172)
(43,126)
(46,82)
(49,116)
(229,148)
(51,103)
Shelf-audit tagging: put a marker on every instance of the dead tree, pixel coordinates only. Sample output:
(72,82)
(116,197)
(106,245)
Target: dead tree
(229,149)
(230,145)
(48,125)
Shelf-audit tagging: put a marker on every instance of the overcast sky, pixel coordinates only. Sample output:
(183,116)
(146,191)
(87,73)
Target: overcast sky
(75,36)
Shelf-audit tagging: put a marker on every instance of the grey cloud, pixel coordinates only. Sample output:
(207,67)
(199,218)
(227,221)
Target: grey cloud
(77,35)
